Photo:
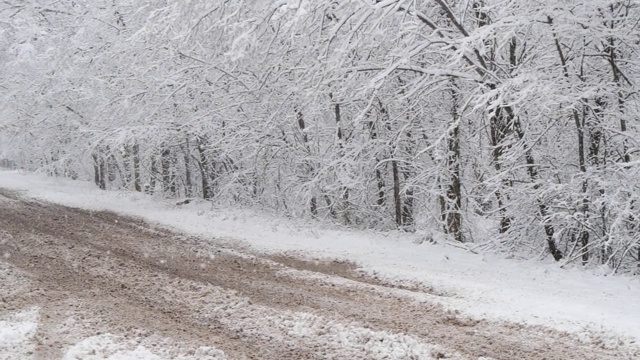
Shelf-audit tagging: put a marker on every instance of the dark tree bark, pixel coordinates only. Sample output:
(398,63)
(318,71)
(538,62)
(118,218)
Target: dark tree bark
(112,166)
(397,201)
(126,163)
(381,200)
(407,206)
(207,191)
(454,188)
(165,164)
(532,169)
(168,162)
(153,175)
(187,169)
(580,128)
(313,206)
(618,78)
(99,170)
(136,168)
(499,129)
(340,136)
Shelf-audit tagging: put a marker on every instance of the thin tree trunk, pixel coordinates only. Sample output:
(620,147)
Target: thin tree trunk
(343,190)
(498,123)
(313,206)
(617,78)
(96,170)
(203,162)
(136,168)
(381,200)
(187,169)
(407,206)
(442,201)
(112,166)
(332,210)
(580,125)
(153,176)
(126,163)
(454,192)
(165,163)
(397,201)
(99,170)
(532,169)
(499,129)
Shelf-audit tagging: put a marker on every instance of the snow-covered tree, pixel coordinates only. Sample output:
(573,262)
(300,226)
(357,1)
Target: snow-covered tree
(513,125)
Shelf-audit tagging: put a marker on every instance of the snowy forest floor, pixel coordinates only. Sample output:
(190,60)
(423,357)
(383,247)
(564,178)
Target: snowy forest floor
(196,282)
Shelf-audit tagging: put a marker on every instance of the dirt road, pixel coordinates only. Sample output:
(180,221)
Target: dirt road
(99,283)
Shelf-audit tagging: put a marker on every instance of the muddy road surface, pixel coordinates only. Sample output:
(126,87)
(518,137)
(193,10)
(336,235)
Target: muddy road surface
(96,284)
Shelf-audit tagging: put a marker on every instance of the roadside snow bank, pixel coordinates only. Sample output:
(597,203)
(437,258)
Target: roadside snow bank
(485,286)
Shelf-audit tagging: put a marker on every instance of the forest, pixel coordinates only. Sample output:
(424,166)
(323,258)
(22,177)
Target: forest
(504,125)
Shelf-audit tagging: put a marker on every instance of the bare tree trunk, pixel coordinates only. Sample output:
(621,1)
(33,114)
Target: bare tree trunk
(343,190)
(173,172)
(407,206)
(126,163)
(207,191)
(381,200)
(330,206)
(580,125)
(313,207)
(153,175)
(532,169)
(112,166)
(617,78)
(96,170)
(397,201)
(165,164)
(454,189)
(136,168)
(168,162)
(499,129)
(187,169)
(99,169)
(499,124)
(442,201)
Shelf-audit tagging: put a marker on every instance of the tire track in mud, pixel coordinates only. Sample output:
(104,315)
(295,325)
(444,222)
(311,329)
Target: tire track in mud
(123,276)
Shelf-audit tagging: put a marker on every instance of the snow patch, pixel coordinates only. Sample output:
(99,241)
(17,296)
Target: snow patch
(319,333)
(107,347)
(16,334)
(112,347)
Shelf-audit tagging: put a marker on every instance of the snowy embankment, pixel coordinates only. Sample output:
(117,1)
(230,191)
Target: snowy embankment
(484,286)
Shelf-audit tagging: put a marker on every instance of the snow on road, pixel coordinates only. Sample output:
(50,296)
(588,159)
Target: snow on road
(16,334)
(592,305)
